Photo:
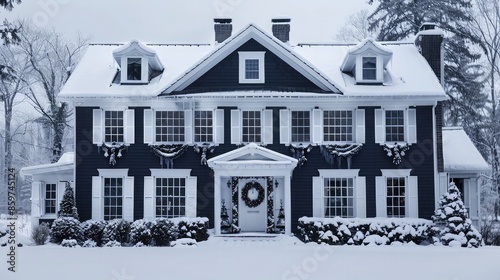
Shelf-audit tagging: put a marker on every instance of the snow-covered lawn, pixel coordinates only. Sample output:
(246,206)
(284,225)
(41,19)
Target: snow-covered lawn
(279,258)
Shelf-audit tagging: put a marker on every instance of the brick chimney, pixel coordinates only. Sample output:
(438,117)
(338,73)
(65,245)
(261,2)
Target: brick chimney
(281,29)
(223,29)
(429,42)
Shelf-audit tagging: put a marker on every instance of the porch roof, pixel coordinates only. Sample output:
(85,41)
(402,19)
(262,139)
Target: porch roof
(460,154)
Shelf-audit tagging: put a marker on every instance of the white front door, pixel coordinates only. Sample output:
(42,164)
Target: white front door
(252,205)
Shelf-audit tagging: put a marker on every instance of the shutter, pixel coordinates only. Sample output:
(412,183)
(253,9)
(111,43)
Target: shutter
(188,126)
(128,199)
(191,197)
(97,133)
(443,185)
(61,187)
(318,209)
(149,198)
(235,127)
(412,197)
(129,121)
(148,126)
(268,127)
(97,198)
(219,126)
(379,126)
(472,199)
(412,126)
(360,126)
(360,197)
(317,136)
(380,193)
(37,197)
(285,126)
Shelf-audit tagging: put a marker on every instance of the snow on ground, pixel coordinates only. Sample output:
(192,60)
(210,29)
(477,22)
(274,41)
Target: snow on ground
(254,258)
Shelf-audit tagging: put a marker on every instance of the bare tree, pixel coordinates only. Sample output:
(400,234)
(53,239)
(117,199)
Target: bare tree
(52,59)
(356,28)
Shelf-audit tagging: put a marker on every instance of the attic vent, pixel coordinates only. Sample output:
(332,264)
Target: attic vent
(281,29)
(223,29)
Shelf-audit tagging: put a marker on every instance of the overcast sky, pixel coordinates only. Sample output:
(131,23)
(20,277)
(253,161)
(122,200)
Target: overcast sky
(184,21)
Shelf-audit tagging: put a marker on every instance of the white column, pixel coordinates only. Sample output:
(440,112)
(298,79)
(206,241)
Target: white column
(217,203)
(288,206)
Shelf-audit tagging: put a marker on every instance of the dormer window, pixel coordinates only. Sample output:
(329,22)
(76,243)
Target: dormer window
(369,68)
(134,69)
(138,63)
(366,62)
(251,67)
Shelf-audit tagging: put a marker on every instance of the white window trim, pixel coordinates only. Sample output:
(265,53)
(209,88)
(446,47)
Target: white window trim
(359,194)
(410,125)
(144,70)
(411,193)
(290,121)
(42,200)
(99,127)
(266,126)
(359,69)
(98,193)
(150,190)
(251,55)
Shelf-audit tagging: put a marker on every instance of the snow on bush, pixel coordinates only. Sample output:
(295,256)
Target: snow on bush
(71,243)
(451,222)
(184,242)
(340,231)
(40,233)
(140,232)
(163,231)
(117,229)
(93,230)
(195,228)
(89,244)
(113,243)
(66,228)
(3,230)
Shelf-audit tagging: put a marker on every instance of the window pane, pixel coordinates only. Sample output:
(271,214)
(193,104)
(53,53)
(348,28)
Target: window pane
(134,69)
(394,126)
(369,68)
(396,199)
(170,126)
(337,126)
(339,197)
(301,126)
(203,126)
(252,69)
(170,203)
(113,200)
(251,126)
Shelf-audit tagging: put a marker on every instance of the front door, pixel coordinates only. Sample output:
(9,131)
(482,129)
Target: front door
(252,205)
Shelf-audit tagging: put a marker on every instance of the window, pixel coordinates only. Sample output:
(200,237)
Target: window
(251,67)
(203,126)
(396,197)
(113,121)
(170,197)
(169,126)
(50,198)
(339,197)
(394,126)
(301,126)
(369,68)
(251,126)
(337,126)
(113,198)
(134,69)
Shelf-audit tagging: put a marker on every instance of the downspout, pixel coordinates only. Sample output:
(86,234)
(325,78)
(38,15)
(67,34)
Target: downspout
(434,158)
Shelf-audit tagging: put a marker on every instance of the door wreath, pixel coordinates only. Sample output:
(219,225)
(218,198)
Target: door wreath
(247,194)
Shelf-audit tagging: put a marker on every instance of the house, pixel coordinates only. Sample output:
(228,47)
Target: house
(254,132)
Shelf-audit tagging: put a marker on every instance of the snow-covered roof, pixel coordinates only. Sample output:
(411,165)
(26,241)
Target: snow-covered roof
(409,74)
(66,162)
(460,154)
(367,44)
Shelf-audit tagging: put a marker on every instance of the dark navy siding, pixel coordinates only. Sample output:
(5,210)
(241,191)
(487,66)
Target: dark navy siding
(139,159)
(279,76)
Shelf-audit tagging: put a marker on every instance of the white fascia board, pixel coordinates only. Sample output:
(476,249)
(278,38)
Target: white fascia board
(46,168)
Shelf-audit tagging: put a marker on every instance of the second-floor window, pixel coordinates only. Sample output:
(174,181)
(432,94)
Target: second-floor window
(337,126)
(394,126)
(203,126)
(170,126)
(301,126)
(113,130)
(252,126)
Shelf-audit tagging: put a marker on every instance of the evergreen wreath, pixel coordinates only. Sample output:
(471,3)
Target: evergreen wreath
(252,203)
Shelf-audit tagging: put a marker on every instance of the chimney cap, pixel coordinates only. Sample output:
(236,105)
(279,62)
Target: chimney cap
(223,20)
(281,20)
(428,26)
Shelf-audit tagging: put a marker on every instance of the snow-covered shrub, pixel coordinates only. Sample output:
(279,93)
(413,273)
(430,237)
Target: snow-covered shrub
(184,242)
(354,231)
(140,232)
(195,228)
(163,231)
(93,230)
(40,233)
(117,229)
(452,216)
(3,230)
(139,244)
(113,243)
(66,228)
(89,243)
(71,243)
